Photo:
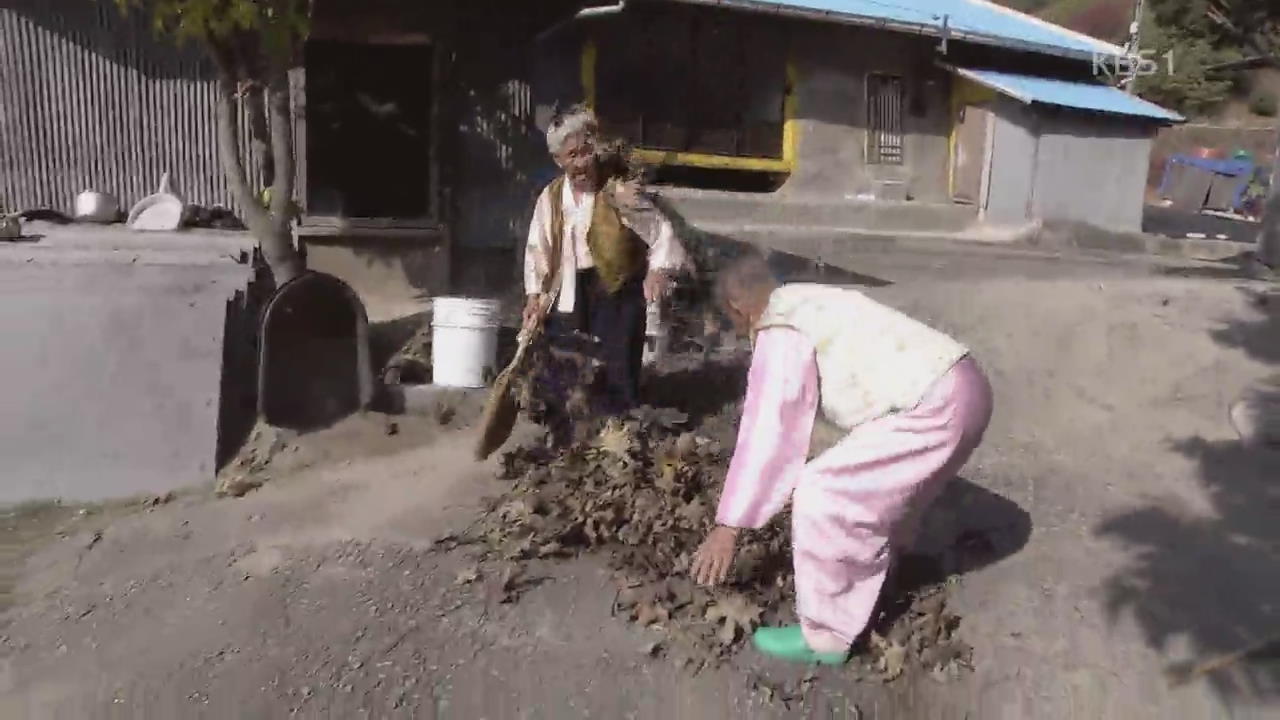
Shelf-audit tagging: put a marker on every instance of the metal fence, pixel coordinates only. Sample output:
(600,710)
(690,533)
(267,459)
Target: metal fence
(90,99)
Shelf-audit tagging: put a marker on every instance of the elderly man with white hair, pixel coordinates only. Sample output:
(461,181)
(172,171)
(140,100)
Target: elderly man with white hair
(596,257)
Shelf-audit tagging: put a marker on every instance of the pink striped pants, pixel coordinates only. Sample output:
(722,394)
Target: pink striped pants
(863,499)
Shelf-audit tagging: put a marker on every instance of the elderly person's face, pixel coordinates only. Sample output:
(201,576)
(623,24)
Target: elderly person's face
(577,158)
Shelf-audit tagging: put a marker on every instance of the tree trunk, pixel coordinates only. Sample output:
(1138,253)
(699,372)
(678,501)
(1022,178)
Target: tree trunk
(283,161)
(256,102)
(272,231)
(1269,238)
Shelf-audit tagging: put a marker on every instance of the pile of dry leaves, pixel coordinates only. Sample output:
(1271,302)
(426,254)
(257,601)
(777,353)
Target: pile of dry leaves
(643,491)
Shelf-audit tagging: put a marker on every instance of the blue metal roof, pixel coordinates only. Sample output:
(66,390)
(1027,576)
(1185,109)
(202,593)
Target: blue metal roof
(976,20)
(1079,95)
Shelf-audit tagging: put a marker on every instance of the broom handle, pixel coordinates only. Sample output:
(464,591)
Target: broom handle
(527,334)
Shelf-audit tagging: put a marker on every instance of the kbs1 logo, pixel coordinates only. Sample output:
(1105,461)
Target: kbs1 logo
(1144,63)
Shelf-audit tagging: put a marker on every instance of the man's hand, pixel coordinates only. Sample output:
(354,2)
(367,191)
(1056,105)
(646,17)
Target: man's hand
(715,556)
(656,285)
(532,307)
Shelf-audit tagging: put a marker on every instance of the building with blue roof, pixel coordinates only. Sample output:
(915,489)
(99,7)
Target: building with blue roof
(959,104)
(419,126)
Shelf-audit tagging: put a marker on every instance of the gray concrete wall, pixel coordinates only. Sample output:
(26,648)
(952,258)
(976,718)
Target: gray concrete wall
(832,64)
(113,361)
(1013,163)
(1092,169)
(392,272)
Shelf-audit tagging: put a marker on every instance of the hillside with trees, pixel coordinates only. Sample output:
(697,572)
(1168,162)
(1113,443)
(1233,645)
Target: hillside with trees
(1220,48)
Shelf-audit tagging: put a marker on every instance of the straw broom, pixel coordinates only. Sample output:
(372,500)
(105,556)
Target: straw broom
(501,408)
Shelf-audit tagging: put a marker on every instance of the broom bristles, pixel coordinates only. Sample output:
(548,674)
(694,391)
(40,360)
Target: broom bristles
(498,418)
(501,408)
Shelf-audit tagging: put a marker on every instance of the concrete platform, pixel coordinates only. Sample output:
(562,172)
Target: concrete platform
(120,359)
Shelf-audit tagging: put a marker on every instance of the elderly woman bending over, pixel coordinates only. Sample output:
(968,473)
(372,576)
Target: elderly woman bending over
(913,405)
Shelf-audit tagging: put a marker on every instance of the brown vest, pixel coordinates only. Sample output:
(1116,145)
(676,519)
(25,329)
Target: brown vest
(619,254)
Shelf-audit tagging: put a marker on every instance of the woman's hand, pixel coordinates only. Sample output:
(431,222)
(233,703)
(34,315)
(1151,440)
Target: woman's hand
(714,558)
(532,306)
(656,285)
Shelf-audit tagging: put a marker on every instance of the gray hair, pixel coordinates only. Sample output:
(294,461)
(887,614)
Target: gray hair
(578,119)
(747,275)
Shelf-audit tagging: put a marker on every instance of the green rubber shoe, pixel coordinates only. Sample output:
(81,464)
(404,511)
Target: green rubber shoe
(787,643)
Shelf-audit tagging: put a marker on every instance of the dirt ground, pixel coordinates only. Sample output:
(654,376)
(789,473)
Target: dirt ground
(1127,529)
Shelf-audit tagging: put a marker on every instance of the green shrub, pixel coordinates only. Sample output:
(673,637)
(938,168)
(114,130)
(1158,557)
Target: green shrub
(1264,104)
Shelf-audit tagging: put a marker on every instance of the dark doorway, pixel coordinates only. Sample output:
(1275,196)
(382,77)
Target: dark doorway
(369,129)
(689,80)
(315,365)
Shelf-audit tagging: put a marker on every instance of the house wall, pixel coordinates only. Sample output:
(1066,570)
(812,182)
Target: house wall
(94,100)
(1013,163)
(1091,169)
(1055,164)
(831,68)
(490,153)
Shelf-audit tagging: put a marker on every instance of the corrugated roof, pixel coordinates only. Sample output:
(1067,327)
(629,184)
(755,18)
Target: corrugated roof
(1078,95)
(976,20)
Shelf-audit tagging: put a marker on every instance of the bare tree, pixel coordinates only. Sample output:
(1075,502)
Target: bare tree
(1256,25)
(253,45)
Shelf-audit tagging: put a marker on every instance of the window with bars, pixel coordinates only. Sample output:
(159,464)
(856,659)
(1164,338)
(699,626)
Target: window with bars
(884,119)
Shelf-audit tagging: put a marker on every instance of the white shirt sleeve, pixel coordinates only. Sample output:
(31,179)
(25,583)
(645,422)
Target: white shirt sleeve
(665,249)
(536,262)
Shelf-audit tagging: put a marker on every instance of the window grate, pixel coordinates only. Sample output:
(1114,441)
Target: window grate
(884,119)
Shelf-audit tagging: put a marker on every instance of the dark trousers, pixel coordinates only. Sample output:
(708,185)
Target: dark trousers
(617,321)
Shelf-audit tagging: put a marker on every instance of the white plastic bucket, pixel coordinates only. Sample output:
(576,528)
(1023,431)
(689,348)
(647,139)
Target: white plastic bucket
(464,341)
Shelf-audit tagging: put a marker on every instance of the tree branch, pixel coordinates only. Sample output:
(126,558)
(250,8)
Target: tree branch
(257,106)
(281,116)
(229,144)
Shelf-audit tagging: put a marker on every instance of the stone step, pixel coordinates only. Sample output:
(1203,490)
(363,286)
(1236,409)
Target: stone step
(702,207)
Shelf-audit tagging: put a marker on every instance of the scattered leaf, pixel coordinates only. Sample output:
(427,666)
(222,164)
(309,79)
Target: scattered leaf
(734,613)
(895,660)
(649,613)
(615,440)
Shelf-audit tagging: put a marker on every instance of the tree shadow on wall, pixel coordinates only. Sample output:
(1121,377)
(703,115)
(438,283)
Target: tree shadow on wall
(1213,579)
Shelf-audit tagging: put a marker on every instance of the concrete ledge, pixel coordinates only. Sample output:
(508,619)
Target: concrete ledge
(1081,236)
(701,207)
(819,241)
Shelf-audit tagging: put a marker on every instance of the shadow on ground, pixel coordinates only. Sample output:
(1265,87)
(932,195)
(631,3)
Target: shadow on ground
(967,528)
(1212,579)
(702,390)
(1244,266)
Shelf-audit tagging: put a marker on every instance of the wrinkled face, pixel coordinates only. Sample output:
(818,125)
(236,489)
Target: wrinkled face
(577,158)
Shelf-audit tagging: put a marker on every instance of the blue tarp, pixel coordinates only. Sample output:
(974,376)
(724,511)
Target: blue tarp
(975,17)
(1079,95)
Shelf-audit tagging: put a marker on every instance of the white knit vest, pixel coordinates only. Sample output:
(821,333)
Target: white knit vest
(872,359)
